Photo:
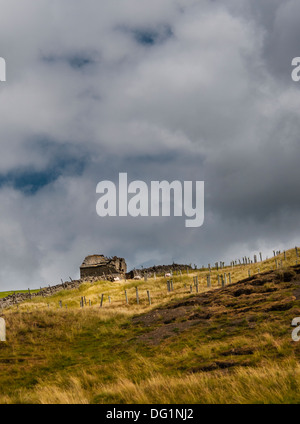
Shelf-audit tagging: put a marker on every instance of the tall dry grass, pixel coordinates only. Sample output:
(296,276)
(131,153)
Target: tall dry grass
(269,383)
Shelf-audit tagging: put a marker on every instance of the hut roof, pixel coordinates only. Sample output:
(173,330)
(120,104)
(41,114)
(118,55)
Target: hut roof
(94,261)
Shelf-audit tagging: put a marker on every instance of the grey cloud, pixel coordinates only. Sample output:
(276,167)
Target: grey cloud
(188,90)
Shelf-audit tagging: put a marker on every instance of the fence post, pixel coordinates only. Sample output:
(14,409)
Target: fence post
(222,279)
(208,281)
(137,295)
(126,297)
(149,298)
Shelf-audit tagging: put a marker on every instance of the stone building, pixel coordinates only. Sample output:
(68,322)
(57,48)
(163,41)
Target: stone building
(101,266)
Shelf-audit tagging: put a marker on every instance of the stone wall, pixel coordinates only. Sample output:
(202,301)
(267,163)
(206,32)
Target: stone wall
(13,299)
(158,269)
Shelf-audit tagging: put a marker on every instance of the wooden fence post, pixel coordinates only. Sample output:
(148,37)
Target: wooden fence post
(149,298)
(222,280)
(126,297)
(137,295)
(208,281)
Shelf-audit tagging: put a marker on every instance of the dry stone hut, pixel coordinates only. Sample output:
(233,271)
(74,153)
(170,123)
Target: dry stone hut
(99,266)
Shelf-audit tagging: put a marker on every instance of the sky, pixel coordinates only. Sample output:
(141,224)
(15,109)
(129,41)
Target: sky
(188,90)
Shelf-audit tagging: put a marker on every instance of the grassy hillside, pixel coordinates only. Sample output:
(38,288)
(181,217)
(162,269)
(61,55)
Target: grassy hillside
(220,345)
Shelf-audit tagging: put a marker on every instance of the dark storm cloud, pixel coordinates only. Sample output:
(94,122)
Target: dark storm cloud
(174,90)
(76,60)
(152,36)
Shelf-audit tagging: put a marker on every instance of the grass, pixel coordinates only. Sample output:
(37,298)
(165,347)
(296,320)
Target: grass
(97,355)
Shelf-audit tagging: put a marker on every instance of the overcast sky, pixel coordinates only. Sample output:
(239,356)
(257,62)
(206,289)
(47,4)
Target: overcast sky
(173,89)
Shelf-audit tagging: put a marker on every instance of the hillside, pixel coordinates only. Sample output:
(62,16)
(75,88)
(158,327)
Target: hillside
(220,345)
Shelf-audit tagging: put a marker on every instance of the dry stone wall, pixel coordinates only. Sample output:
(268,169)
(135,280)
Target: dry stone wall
(15,298)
